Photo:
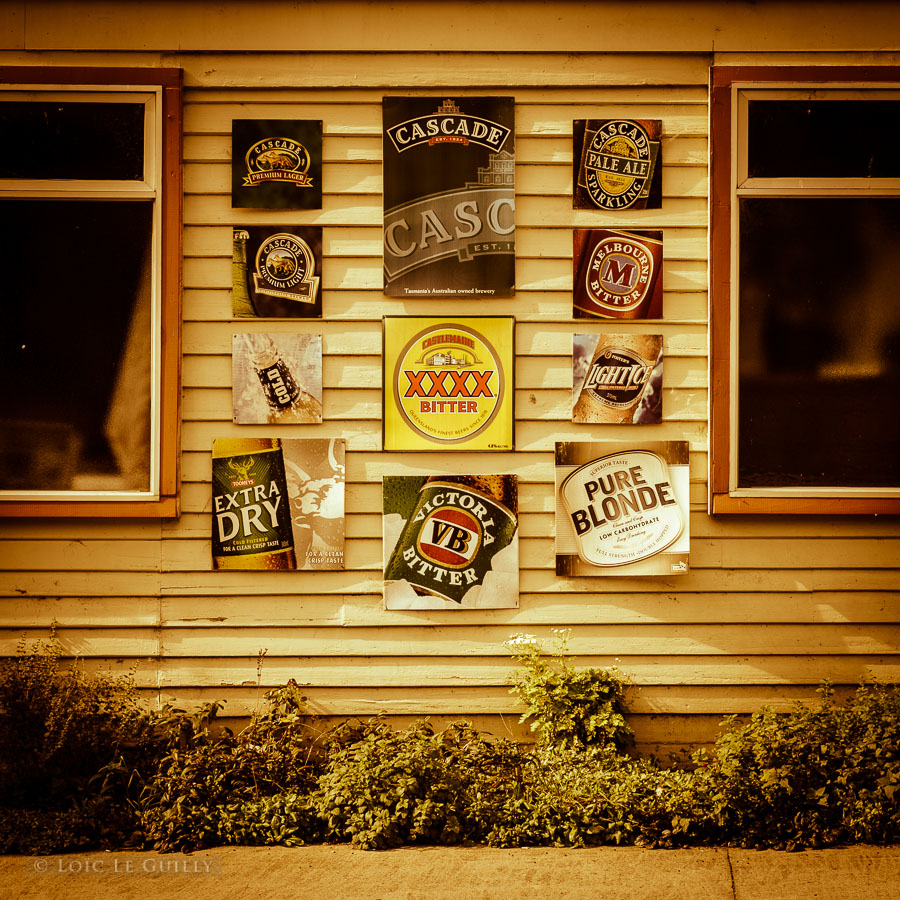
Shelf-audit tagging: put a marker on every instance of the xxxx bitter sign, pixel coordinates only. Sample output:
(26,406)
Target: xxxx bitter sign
(449,197)
(448,383)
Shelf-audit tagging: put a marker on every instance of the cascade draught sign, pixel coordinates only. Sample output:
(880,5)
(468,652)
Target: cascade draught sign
(449,197)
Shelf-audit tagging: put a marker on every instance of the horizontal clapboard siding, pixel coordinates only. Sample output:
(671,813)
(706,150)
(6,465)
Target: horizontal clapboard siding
(770,607)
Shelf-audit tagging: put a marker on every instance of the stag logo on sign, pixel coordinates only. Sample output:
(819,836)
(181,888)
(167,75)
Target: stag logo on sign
(448,125)
(448,383)
(450,537)
(617,164)
(285,267)
(277,159)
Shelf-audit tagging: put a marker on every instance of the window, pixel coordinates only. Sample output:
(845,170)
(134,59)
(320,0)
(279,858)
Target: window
(90,251)
(804,296)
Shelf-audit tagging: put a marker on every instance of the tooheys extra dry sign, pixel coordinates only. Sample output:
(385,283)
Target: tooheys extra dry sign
(448,383)
(622,508)
(449,196)
(617,164)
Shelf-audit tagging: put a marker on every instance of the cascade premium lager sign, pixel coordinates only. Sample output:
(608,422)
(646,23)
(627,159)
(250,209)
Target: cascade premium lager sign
(276,164)
(617,378)
(450,541)
(449,196)
(622,508)
(617,164)
(448,383)
(617,274)
(277,273)
(278,504)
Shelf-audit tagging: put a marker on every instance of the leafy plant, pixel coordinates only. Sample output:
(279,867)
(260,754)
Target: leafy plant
(568,707)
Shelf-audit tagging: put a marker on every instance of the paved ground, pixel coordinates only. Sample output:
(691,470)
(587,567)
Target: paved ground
(480,873)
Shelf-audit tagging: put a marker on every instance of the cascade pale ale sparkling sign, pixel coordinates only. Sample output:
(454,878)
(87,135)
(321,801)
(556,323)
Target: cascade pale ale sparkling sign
(622,508)
(277,272)
(450,541)
(448,383)
(449,197)
(617,164)
(617,378)
(276,164)
(278,504)
(617,274)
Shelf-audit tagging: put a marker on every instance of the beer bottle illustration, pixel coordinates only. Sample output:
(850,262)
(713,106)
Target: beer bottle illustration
(242,306)
(616,379)
(287,402)
(457,525)
(251,524)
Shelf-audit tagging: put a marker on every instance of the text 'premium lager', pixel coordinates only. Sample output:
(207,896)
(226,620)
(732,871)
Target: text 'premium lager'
(251,507)
(458,525)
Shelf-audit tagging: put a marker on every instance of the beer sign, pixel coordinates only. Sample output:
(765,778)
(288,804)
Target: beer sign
(622,508)
(276,378)
(617,164)
(450,541)
(449,197)
(278,504)
(277,272)
(617,274)
(617,378)
(448,383)
(276,164)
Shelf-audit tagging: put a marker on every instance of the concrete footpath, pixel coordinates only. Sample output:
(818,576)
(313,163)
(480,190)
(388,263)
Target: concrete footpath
(440,873)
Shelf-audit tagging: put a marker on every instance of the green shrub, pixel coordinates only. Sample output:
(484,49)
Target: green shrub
(569,707)
(811,778)
(60,727)
(207,786)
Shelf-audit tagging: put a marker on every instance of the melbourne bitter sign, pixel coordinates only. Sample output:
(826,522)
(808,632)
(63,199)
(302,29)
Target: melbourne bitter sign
(449,197)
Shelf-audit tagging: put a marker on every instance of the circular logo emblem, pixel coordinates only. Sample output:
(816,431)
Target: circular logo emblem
(617,378)
(448,383)
(450,537)
(285,267)
(277,159)
(617,164)
(619,274)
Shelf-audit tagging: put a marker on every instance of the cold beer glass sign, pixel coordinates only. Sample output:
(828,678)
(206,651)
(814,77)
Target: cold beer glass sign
(449,197)
(622,509)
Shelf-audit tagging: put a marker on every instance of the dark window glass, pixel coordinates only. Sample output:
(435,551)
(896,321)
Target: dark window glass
(75,345)
(819,359)
(67,139)
(824,138)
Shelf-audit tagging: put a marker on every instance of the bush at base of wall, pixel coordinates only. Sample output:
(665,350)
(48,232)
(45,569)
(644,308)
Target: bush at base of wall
(815,777)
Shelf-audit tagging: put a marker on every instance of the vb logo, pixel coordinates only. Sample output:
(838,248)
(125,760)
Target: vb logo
(450,537)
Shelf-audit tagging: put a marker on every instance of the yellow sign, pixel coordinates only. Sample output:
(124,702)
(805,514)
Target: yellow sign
(448,383)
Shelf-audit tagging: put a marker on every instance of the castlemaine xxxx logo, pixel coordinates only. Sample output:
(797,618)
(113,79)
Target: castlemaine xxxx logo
(448,383)
(277,159)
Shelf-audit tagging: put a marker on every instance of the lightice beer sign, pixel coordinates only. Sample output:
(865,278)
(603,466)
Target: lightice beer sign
(451,541)
(448,383)
(276,164)
(449,196)
(622,508)
(277,272)
(617,378)
(278,504)
(617,164)
(617,274)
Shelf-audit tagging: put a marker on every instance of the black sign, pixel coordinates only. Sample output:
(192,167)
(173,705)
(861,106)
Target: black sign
(449,197)
(276,164)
